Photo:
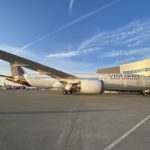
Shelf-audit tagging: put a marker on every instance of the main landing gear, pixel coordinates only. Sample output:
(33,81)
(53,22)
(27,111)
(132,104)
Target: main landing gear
(69,92)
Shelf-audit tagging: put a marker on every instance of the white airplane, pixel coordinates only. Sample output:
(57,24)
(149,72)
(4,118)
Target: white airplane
(83,83)
(17,75)
(5,84)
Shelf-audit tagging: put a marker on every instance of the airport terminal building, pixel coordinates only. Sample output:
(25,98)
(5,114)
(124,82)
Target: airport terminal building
(141,67)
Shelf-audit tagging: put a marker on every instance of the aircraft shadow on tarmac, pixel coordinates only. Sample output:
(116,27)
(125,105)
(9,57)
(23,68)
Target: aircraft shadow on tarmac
(59,111)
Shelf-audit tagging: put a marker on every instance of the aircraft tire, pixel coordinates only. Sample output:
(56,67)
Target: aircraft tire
(69,92)
(65,92)
(145,93)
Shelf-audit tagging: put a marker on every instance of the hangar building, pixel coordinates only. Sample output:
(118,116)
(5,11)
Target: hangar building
(141,67)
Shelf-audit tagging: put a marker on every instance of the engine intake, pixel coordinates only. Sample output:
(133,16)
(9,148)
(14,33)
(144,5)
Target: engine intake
(91,86)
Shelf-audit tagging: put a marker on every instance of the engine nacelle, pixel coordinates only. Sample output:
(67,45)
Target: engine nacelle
(91,86)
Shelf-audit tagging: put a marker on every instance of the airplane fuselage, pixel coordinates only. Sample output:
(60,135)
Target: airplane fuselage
(84,83)
(124,82)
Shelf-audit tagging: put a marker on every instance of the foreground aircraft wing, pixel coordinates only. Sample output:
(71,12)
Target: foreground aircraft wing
(5,76)
(35,66)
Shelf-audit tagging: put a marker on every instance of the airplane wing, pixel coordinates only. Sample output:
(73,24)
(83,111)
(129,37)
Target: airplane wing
(5,76)
(35,66)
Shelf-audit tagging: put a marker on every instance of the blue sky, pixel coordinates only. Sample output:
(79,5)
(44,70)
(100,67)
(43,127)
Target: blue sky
(75,35)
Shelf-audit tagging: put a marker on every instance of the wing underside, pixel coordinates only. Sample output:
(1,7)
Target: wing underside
(5,76)
(35,66)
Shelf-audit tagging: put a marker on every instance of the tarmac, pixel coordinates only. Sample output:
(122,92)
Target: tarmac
(40,120)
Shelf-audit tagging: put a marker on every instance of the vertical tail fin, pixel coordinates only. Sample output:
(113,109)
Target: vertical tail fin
(17,74)
(16,70)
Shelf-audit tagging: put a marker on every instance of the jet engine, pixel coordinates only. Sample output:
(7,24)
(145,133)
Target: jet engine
(91,86)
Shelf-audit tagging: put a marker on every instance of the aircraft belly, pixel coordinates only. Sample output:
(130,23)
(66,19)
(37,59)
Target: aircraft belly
(131,85)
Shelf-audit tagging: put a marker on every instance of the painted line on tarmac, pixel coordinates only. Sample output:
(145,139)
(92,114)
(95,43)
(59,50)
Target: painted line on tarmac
(126,134)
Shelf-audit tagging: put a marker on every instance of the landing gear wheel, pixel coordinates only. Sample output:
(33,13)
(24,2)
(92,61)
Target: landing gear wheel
(69,92)
(74,91)
(145,93)
(65,92)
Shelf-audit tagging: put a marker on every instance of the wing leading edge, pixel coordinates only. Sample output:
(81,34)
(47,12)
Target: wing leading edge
(35,66)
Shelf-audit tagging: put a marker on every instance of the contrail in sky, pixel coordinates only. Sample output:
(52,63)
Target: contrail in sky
(71,5)
(69,24)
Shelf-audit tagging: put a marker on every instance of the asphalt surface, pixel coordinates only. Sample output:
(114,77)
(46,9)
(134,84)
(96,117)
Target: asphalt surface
(36,120)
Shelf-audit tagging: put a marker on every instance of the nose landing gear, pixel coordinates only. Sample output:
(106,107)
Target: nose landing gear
(146,93)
